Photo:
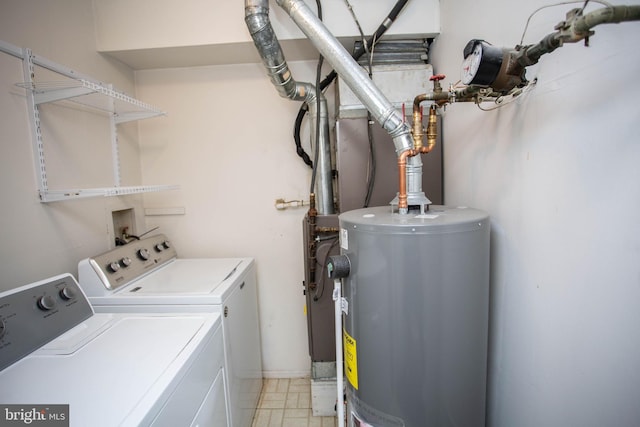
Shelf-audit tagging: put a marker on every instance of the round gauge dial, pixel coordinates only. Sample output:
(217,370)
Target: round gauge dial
(481,64)
(471,64)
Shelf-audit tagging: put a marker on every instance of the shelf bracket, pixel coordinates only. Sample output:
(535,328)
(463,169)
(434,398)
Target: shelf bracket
(28,71)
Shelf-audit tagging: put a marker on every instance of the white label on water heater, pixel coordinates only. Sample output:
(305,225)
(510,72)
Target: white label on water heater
(344,239)
(344,304)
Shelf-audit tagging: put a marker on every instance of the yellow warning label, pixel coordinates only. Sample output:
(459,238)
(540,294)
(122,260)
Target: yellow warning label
(350,359)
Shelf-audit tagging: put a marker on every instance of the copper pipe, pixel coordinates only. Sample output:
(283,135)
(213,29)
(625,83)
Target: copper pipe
(402,170)
(432,129)
(418,135)
(417,130)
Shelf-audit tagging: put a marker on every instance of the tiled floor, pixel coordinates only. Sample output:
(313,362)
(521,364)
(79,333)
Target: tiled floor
(287,403)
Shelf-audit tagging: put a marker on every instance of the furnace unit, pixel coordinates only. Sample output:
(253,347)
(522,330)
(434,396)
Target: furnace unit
(401,74)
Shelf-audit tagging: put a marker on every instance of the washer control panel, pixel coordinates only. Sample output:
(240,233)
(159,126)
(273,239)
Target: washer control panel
(124,264)
(33,315)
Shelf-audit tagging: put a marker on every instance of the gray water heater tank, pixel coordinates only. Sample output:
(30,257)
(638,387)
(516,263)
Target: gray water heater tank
(416,321)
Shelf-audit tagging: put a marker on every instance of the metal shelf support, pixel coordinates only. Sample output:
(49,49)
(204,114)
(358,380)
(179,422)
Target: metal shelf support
(88,92)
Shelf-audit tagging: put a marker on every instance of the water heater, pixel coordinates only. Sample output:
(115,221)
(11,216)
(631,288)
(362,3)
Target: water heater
(416,316)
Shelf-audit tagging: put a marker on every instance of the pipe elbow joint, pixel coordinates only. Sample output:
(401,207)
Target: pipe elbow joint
(256,18)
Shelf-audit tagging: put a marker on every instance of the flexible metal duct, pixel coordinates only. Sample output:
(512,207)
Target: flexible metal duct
(365,90)
(259,25)
(353,75)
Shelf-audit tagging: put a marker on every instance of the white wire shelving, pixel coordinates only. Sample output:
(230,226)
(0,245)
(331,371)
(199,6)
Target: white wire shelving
(89,93)
(92,95)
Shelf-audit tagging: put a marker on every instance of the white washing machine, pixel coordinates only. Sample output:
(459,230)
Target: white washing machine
(60,361)
(147,276)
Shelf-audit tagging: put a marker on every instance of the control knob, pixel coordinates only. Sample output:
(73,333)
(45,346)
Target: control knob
(159,247)
(166,244)
(113,267)
(125,262)
(67,293)
(143,254)
(3,328)
(46,303)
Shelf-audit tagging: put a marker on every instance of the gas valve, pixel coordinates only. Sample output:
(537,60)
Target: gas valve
(338,266)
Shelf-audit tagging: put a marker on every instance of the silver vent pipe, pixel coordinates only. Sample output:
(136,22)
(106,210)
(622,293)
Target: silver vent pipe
(368,93)
(352,74)
(259,25)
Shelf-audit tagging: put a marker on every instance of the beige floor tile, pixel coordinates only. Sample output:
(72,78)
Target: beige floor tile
(304,400)
(261,418)
(283,385)
(295,422)
(269,385)
(300,388)
(292,400)
(286,402)
(276,418)
(300,381)
(274,396)
(329,422)
(296,413)
(273,400)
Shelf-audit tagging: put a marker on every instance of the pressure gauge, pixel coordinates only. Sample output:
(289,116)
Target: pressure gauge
(481,64)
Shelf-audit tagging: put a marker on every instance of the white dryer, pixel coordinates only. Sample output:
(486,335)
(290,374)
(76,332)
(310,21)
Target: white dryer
(147,276)
(59,361)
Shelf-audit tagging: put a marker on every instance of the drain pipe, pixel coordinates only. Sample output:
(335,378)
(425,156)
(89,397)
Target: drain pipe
(266,42)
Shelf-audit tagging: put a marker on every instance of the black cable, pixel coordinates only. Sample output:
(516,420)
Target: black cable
(318,115)
(384,26)
(317,130)
(296,135)
(371,179)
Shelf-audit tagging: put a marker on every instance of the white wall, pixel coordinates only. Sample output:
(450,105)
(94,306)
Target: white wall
(228,142)
(42,240)
(157,34)
(558,172)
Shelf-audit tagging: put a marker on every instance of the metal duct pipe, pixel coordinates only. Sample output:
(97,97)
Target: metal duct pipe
(324,183)
(266,42)
(353,75)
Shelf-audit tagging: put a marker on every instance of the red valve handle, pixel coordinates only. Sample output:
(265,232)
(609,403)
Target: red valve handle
(437,77)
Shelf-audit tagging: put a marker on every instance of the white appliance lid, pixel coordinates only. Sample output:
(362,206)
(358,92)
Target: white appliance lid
(199,276)
(112,369)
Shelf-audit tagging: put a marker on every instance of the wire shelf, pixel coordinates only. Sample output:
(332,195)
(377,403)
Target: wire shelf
(77,193)
(92,95)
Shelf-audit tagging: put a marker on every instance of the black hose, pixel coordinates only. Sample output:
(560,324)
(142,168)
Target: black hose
(371,179)
(317,129)
(386,24)
(296,135)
